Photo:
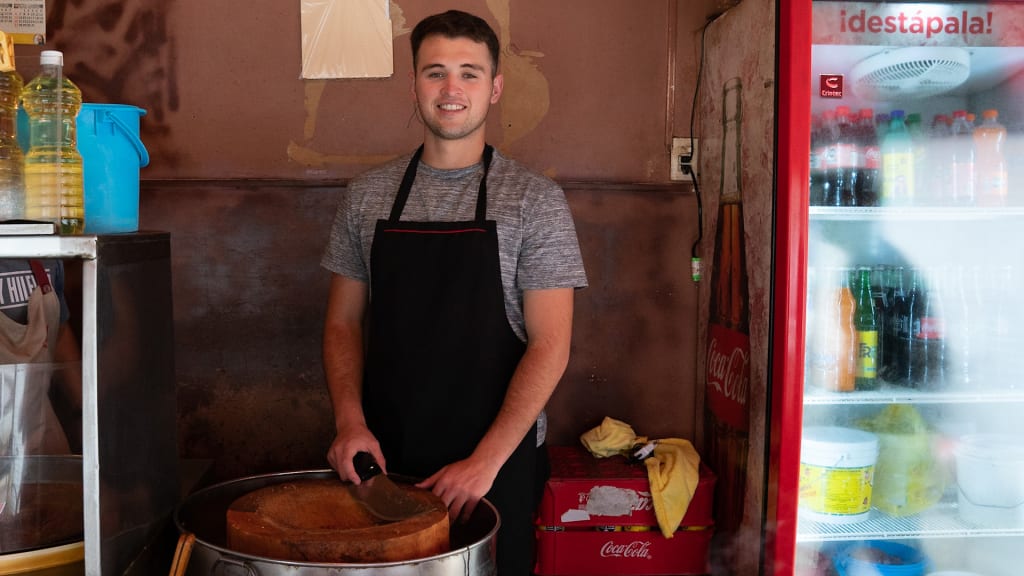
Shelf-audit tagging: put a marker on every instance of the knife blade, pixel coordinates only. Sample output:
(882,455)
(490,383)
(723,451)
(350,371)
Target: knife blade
(380,495)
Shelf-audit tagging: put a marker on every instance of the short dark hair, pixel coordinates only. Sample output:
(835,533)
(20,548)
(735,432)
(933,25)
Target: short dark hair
(456,24)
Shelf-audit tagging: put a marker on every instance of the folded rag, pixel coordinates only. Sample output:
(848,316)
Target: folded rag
(612,437)
(673,473)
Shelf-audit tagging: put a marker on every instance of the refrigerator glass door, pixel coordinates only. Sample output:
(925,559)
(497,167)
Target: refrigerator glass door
(912,450)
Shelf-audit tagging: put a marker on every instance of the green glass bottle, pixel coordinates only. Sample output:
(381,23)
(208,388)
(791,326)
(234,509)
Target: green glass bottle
(865,321)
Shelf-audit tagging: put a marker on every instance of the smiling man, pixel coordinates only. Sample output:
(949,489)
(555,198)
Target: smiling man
(450,309)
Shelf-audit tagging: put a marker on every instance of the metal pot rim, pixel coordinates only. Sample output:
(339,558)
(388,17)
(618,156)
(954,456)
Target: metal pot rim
(279,477)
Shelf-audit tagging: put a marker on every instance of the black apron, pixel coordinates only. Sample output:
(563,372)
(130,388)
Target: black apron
(441,354)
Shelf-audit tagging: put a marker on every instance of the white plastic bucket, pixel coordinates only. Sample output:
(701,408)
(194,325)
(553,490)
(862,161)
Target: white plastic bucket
(990,475)
(837,468)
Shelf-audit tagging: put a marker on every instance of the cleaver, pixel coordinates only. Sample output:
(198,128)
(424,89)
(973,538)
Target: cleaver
(380,495)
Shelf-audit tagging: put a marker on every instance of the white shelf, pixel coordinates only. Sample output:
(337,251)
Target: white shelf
(893,394)
(923,213)
(940,521)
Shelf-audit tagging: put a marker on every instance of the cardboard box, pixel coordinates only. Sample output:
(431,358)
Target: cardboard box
(596,517)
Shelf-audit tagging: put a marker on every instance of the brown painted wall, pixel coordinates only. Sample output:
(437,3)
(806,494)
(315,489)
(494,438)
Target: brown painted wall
(248,160)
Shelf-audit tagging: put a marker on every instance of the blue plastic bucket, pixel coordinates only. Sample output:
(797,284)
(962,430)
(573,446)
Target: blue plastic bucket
(880,558)
(112,154)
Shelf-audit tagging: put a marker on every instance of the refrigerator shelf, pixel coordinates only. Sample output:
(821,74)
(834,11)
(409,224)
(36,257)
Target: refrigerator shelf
(893,394)
(911,213)
(941,521)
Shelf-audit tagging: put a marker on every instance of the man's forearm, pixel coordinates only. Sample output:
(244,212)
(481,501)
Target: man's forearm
(343,369)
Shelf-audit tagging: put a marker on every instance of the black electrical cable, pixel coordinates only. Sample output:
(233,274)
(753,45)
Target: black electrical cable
(693,172)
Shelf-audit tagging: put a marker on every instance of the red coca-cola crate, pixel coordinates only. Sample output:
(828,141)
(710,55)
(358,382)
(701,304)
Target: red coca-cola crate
(588,492)
(596,517)
(590,552)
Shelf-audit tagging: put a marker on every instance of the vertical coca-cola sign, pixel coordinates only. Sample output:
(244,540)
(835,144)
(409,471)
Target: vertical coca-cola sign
(726,413)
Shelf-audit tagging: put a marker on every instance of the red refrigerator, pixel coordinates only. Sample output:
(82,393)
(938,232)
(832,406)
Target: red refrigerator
(892,393)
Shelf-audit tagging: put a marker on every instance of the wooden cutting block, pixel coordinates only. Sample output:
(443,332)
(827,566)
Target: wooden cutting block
(318,520)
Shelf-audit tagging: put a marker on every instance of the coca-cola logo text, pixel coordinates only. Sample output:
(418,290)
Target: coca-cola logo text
(727,371)
(635,549)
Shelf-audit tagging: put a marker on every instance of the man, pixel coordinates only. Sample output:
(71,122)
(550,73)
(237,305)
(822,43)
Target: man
(462,265)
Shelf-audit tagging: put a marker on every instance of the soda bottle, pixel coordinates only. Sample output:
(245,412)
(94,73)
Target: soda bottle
(816,192)
(828,156)
(919,143)
(963,161)
(990,160)
(830,336)
(963,328)
(895,299)
(866,324)
(928,359)
(879,284)
(1002,334)
(906,313)
(12,175)
(840,367)
(844,172)
(897,163)
(868,185)
(53,166)
(939,170)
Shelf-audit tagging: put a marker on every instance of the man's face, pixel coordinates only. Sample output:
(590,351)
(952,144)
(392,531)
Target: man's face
(452,86)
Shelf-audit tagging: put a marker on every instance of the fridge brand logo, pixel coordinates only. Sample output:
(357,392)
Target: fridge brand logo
(636,549)
(830,86)
(917,23)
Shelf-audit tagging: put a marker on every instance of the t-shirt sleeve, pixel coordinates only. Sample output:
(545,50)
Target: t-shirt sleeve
(344,254)
(550,255)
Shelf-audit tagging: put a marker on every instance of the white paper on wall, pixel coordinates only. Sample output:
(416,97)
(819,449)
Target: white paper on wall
(346,39)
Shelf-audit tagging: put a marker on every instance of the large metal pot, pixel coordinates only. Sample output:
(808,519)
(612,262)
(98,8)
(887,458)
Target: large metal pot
(204,515)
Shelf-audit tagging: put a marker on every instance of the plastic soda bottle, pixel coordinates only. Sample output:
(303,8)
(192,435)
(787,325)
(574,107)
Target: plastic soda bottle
(866,323)
(844,172)
(990,160)
(897,163)
(12,175)
(53,166)
(920,193)
(828,159)
(963,160)
(939,171)
(816,185)
(867,193)
(928,363)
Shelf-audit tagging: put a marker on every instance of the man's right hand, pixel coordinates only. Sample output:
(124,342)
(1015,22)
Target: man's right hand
(346,444)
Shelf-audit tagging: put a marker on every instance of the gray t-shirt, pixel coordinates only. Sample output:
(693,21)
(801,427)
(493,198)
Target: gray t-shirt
(537,241)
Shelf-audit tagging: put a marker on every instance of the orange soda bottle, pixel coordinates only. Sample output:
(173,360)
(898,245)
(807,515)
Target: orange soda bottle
(990,160)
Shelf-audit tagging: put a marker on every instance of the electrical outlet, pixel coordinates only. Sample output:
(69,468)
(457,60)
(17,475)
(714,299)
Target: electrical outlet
(683,159)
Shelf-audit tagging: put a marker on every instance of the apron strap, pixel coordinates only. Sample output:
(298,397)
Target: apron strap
(40,274)
(481,197)
(410,177)
(406,187)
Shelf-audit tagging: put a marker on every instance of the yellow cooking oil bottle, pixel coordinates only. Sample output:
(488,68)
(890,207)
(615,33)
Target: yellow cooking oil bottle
(12,167)
(53,166)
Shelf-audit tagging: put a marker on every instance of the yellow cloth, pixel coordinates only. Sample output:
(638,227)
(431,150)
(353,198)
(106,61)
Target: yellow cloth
(673,474)
(612,437)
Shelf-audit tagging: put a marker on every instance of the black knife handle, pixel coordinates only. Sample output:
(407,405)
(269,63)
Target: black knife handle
(366,465)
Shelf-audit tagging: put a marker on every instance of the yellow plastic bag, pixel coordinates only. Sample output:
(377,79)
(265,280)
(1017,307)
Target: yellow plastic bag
(908,478)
